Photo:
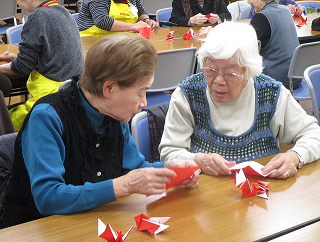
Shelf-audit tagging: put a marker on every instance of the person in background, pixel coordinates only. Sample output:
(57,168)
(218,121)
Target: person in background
(193,12)
(294,8)
(231,113)
(75,152)
(99,17)
(50,53)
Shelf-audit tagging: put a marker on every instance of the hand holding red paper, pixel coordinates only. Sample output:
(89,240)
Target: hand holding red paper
(187,173)
(107,233)
(145,32)
(154,224)
(215,164)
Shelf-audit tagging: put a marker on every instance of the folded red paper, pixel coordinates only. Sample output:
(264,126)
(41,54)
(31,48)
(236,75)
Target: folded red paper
(256,189)
(189,34)
(154,224)
(182,174)
(107,233)
(145,32)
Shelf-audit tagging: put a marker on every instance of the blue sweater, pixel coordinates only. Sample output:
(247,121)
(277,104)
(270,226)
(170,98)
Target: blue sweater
(44,152)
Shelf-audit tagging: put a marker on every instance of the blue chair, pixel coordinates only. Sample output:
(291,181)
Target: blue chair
(305,55)
(75,16)
(8,10)
(312,77)
(162,17)
(141,134)
(14,34)
(173,67)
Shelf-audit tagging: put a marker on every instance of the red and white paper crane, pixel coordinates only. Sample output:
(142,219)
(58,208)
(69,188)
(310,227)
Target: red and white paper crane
(154,224)
(107,233)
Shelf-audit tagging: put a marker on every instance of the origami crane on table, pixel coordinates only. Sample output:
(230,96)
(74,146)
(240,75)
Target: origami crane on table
(154,224)
(107,233)
(255,189)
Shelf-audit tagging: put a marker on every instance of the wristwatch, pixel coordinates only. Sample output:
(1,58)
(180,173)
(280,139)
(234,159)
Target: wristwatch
(301,161)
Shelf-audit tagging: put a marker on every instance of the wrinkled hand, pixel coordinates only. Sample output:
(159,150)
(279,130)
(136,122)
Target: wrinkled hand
(299,9)
(140,24)
(147,181)
(8,56)
(204,31)
(213,19)
(191,182)
(198,19)
(285,163)
(215,164)
(153,24)
(292,8)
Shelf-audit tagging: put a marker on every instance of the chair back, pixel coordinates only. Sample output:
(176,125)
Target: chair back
(239,10)
(14,34)
(312,77)
(75,16)
(163,15)
(151,6)
(308,4)
(173,67)
(141,134)
(8,9)
(305,55)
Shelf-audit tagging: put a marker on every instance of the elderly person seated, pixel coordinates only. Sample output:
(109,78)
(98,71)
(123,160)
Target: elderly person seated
(231,113)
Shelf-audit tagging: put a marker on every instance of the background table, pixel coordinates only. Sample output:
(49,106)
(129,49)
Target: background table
(214,211)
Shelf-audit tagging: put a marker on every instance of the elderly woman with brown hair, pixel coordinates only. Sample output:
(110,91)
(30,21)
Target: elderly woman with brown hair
(195,12)
(231,113)
(75,151)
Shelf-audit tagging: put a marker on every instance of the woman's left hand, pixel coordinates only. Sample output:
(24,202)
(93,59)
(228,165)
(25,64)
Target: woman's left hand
(285,165)
(214,18)
(191,182)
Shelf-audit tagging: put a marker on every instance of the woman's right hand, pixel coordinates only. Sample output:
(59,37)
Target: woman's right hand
(8,56)
(215,164)
(140,24)
(146,181)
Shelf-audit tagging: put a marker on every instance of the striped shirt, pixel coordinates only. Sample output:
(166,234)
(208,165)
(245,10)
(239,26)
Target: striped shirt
(96,12)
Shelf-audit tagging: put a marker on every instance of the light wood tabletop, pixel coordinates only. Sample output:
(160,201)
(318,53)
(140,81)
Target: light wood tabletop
(214,211)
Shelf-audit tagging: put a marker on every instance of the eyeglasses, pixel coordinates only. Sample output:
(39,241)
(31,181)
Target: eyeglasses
(228,76)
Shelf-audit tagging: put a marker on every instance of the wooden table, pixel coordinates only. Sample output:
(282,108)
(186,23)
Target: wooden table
(214,211)
(305,33)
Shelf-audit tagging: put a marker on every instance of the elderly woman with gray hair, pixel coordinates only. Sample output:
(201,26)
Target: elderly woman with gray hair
(231,113)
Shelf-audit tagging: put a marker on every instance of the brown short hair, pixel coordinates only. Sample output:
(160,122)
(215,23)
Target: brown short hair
(122,57)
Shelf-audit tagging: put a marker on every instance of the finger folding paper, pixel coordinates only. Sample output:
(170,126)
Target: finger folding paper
(154,224)
(170,35)
(189,34)
(250,168)
(182,174)
(107,233)
(256,189)
(208,15)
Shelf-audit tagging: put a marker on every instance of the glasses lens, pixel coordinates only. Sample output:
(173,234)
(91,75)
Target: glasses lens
(210,72)
(231,77)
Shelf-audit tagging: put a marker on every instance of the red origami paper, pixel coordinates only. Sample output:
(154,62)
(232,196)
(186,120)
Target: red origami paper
(303,17)
(189,34)
(107,233)
(154,224)
(208,15)
(145,32)
(256,189)
(298,23)
(182,174)
(170,35)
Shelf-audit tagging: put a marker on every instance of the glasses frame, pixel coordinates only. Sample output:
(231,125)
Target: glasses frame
(223,74)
